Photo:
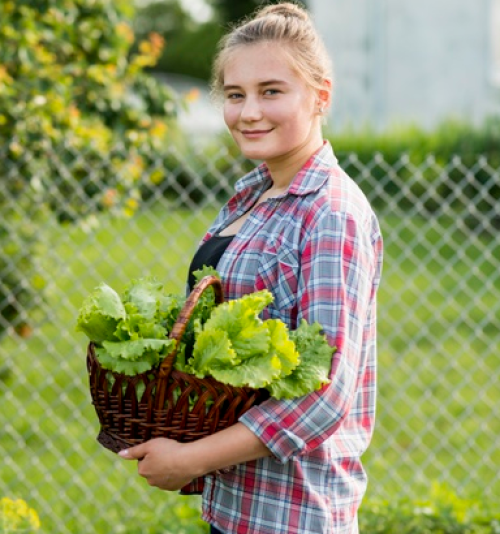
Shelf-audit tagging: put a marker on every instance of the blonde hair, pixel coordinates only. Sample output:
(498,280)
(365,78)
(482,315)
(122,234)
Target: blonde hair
(288,25)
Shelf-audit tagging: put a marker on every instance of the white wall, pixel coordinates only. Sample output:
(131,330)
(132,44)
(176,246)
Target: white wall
(399,61)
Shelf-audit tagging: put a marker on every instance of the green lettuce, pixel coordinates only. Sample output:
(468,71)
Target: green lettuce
(100,314)
(130,332)
(133,357)
(236,347)
(144,295)
(315,363)
(229,341)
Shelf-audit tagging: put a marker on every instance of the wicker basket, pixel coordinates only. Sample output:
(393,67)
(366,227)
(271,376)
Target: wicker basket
(164,408)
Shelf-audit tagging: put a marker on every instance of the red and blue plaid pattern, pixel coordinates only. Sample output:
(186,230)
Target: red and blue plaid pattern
(318,249)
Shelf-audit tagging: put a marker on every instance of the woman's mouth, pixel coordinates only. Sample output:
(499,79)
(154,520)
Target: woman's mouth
(255,134)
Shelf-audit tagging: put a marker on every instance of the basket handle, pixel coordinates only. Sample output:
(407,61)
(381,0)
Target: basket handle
(185,316)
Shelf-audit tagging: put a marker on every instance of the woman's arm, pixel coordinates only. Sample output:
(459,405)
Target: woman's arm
(336,287)
(170,465)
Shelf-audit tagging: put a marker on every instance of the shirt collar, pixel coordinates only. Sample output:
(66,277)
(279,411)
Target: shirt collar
(309,179)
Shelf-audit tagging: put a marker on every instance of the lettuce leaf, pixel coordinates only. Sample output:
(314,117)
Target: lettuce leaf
(134,350)
(255,372)
(100,314)
(145,295)
(133,357)
(283,346)
(315,363)
(239,349)
(248,334)
(136,326)
(126,367)
(212,351)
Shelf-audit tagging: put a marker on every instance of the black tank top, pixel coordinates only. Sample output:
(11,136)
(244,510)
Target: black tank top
(208,254)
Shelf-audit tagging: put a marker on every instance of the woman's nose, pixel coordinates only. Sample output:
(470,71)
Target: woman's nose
(251,110)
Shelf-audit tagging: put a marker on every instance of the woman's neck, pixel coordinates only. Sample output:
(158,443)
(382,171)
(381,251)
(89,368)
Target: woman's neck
(284,169)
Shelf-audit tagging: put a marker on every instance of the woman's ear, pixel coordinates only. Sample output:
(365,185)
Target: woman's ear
(325,94)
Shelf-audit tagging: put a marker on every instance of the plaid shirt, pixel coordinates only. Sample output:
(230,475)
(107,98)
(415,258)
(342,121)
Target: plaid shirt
(318,249)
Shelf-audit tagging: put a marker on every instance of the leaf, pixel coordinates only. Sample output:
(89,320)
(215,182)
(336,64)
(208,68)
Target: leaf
(248,334)
(100,313)
(169,309)
(205,271)
(126,367)
(212,350)
(135,349)
(136,326)
(283,346)
(206,302)
(145,294)
(255,372)
(315,363)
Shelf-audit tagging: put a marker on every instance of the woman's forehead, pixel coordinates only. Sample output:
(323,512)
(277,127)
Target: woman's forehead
(259,64)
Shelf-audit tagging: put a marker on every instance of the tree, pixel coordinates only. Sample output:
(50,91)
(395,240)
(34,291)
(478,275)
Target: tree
(79,118)
(190,45)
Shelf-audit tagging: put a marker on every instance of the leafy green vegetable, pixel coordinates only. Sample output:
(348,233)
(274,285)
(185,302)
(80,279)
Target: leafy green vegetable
(133,357)
(229,342)
(145,296)
(131,331)
(237,348)
(239,318)
(213,351)
(283,346)
(255,372)
(100,314)
(315,363)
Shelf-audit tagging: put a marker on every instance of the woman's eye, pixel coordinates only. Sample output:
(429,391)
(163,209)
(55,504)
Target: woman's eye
(234,96)
(271,92)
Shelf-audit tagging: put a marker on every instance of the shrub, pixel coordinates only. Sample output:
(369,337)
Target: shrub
(79,120)
(442,513)
(454,149)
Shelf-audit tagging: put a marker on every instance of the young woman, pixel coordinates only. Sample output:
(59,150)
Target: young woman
(300,227)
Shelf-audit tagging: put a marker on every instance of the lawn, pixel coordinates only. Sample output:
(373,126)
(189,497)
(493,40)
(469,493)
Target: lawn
(438,370)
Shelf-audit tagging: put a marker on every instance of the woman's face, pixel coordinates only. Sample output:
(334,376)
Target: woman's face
(270,111)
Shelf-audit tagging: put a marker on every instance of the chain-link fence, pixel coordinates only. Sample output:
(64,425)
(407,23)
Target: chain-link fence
(439,332)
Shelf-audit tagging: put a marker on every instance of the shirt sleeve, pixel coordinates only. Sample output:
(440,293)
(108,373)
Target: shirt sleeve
(335,288)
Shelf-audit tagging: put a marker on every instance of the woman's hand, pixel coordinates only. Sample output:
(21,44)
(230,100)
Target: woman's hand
(170,465)
(163,463)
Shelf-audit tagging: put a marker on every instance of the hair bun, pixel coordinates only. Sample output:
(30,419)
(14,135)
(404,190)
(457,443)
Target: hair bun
(286,9)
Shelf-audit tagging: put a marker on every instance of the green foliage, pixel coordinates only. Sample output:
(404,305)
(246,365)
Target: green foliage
(315,362)
(190,46)
(453,149)
(79,123)
(230,341)
(131,331)
(100,314)
(236,347)
(442,513)
(192,52)
(69,85)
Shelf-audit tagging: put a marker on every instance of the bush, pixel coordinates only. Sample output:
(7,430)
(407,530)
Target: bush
(453,149)
(442,513)
(79,122)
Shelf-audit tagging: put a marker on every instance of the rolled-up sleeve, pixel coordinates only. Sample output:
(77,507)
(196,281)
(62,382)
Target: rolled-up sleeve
(338,268)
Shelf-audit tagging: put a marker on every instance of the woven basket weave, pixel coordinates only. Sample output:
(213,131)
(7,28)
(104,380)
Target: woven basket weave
(164,408)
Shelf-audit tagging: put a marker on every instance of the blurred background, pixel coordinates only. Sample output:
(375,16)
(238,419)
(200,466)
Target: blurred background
(114,161)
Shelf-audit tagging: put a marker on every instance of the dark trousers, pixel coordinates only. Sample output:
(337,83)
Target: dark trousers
(214,530)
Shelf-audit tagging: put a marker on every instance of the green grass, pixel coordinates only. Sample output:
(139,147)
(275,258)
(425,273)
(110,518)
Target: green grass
(431,424)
